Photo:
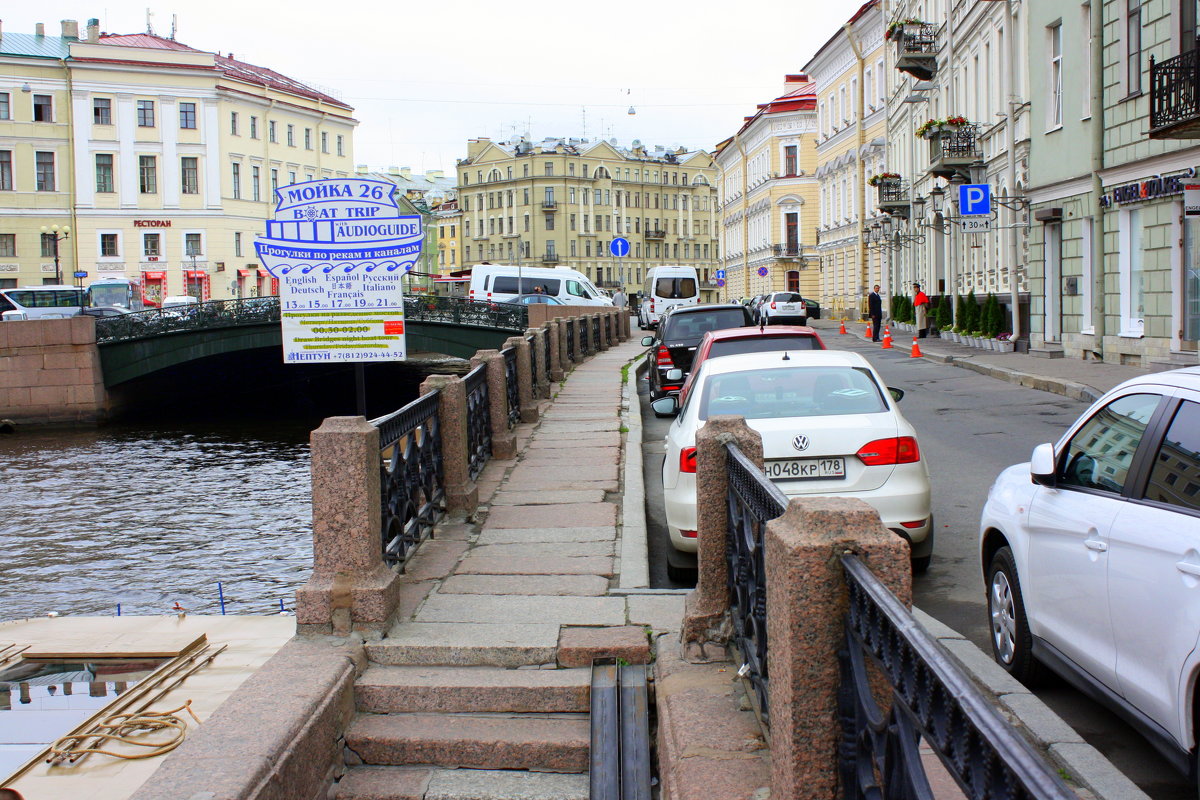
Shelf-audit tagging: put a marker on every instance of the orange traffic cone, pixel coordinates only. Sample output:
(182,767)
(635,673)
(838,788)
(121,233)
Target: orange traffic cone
(887,338)
(869,334)
(843,330)
(916,351)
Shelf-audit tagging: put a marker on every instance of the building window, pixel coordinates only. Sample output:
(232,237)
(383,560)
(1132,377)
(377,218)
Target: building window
(233,123)
(44,165)
(5,106)
(147,174)
(274,181)
(291,135)
(104,172)
(254,127)
(255,190)
(6,180)
(324,142)
(43,108)
(1054,84)
(308,138)
(102,111)
(8,245)
(549,167)
(237,181)
(237,245)
(271,131)
(341,145)
(789,160)
(49,245)
(1133,47)
(192,245)
(291,176)
(110,245)
(190,174)
(152,244)
(187,116)
(145,113)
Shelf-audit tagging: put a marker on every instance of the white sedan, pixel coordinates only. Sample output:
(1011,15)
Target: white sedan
(829,426)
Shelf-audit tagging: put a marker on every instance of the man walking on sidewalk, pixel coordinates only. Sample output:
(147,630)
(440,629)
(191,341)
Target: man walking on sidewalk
(875,312)
(921,306)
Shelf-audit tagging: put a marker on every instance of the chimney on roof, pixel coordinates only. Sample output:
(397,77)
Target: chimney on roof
(39,29)
(393,170)
(70,29)
(93,30)
(360,169)
(434,174)
(406,173)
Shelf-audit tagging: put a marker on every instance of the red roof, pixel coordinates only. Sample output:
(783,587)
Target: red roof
(238,70)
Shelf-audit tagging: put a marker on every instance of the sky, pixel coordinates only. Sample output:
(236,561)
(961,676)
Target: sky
(426,77)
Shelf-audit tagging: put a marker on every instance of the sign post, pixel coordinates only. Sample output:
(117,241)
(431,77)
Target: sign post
(340,249)
(619,247)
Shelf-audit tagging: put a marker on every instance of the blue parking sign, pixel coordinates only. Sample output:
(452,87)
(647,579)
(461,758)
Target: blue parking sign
(974,199)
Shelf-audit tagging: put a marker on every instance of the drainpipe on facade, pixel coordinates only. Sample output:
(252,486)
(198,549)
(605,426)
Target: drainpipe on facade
(737,138)
(860,194)
(1011,124)
(71,162)
(1097,56)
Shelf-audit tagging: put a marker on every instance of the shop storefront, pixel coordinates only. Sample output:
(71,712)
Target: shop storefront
(197,284)
(267,286)
(154,288)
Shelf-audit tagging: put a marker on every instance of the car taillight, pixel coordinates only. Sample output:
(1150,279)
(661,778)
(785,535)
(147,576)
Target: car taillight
(687,459)
(664,357)
(772,305)
(651,303)
(916,523)
(897,450)
(688,534)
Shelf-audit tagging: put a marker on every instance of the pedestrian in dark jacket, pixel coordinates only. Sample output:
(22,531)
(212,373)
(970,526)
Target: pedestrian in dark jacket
(875,312)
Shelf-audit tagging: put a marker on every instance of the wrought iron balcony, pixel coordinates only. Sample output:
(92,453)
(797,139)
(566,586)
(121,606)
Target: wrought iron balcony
(789,250)
(655,234)
(953,150)
(549,205)
(550,258)
(1175,97)
(893,197)
(916,50)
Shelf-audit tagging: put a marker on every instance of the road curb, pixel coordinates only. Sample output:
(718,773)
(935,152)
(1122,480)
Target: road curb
(1084,766)
(635,558)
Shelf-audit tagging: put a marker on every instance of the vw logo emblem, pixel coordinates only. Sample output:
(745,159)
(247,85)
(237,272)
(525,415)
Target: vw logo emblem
(800,442)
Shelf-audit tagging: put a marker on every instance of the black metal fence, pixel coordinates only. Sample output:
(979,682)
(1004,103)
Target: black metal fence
(479,423)
(595,334)
(1174,90)
(512,391)
(412,478)
(752,501)
(571,340)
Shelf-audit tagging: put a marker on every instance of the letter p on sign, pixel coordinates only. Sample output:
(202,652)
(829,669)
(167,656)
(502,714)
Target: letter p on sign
(975,199)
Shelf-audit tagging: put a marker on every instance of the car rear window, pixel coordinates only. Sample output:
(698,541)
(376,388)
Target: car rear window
(787,297)
(675,288)
(792,392)
(762,344)
(694,325)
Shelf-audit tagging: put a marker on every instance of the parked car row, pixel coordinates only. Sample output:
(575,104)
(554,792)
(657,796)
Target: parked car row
(782,308)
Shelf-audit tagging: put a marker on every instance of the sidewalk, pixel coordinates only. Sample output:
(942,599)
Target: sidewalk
(1071,377)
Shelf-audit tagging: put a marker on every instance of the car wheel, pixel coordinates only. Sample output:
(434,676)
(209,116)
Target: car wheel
(920,565)
(804,320)
(680,574)
(1012,644)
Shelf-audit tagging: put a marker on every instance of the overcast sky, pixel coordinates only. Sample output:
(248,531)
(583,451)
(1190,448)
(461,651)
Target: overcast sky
(424,77)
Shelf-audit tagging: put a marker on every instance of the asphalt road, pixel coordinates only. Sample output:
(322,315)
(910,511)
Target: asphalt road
(970,427)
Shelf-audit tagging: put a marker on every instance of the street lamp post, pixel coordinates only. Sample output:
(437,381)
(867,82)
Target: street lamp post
(59,234)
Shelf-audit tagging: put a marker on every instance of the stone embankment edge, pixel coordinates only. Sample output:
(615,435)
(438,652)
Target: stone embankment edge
(1082,764)
(635,559)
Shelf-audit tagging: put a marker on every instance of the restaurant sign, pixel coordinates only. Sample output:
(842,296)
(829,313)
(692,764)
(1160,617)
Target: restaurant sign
(1149,189)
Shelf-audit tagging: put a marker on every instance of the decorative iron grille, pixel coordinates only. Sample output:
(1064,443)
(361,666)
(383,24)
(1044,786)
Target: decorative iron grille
(752,500)
(608,328)
(932,698)
(412,477)
(546,361)
(955,144)
(479,420)
(459,310)
(571,340)
(511,390)
(1174,90)
(918,40)
(596,333)
(893,192)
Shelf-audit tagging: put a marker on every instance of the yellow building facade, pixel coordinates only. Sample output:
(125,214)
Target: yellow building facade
(561,202)
(164,161)
(849,71)
(768,197)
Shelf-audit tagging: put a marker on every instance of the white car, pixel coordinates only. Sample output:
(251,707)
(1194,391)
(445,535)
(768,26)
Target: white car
(829,426)
(1091,557)
(783,308)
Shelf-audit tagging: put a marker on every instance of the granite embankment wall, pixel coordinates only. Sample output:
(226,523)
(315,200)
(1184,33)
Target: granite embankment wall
(50,372)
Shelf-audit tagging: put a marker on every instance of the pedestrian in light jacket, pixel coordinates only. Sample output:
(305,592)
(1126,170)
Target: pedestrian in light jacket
(875,312)
(921,306)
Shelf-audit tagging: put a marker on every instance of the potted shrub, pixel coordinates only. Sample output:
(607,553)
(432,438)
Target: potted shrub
(929,129)
(895,30)
(1004,342)
(955,123)
(883,177)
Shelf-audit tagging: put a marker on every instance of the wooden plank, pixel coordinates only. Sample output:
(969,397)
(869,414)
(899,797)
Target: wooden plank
(128,645)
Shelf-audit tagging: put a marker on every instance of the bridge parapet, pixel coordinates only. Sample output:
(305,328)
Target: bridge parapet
(50,372)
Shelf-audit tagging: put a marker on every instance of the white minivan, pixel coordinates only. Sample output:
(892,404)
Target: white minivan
(665,288)
(502,283)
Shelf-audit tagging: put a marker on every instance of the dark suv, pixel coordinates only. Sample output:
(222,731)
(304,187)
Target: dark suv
(679,333)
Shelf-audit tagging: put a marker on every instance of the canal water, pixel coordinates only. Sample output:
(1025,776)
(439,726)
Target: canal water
(148,516)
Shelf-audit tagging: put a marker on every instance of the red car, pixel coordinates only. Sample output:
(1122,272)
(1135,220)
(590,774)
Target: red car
(732,341)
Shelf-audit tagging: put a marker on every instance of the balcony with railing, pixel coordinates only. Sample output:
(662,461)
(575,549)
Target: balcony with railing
(893,196)
(790,250)
(550,258)
(953,149)
(1175,97)
(549,205)
(916,50)
(655,234)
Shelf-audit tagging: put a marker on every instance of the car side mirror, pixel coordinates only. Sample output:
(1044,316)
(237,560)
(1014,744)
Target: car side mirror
(665,406)
(647,341)
(675,374)
(1041,465)
(897,394)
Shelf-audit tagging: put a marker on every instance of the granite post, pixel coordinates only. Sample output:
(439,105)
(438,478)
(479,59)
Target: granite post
(558,349)
(351,589)
(806,608)
(706,608)
(539,362)
(529,410)
(462,495)
(504,441)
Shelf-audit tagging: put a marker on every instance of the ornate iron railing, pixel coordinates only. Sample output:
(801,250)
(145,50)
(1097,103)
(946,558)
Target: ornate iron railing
(893,192)
(479,420)
(752,500)
(1174,90)
(412,477)
(789,250)
(918,40)
(955,144)
(595,333)
(608,328)
(546,362)
(259,310)
(571,340)
(511,391)
(933,699)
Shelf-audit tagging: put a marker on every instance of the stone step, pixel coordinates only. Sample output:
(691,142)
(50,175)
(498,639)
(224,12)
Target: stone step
(416,783)
(386,689)
(497,741)
(466,644)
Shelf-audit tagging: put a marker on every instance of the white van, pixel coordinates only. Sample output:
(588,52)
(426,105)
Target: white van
(500,283)
(667,287)
(42,302)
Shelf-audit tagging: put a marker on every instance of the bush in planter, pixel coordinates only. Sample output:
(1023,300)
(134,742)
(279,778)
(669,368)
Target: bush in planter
(992,320)
(969,318)
(942,315)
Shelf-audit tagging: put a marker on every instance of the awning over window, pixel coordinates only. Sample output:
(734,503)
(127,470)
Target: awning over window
(155,276)
(195,273)
(243,273)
